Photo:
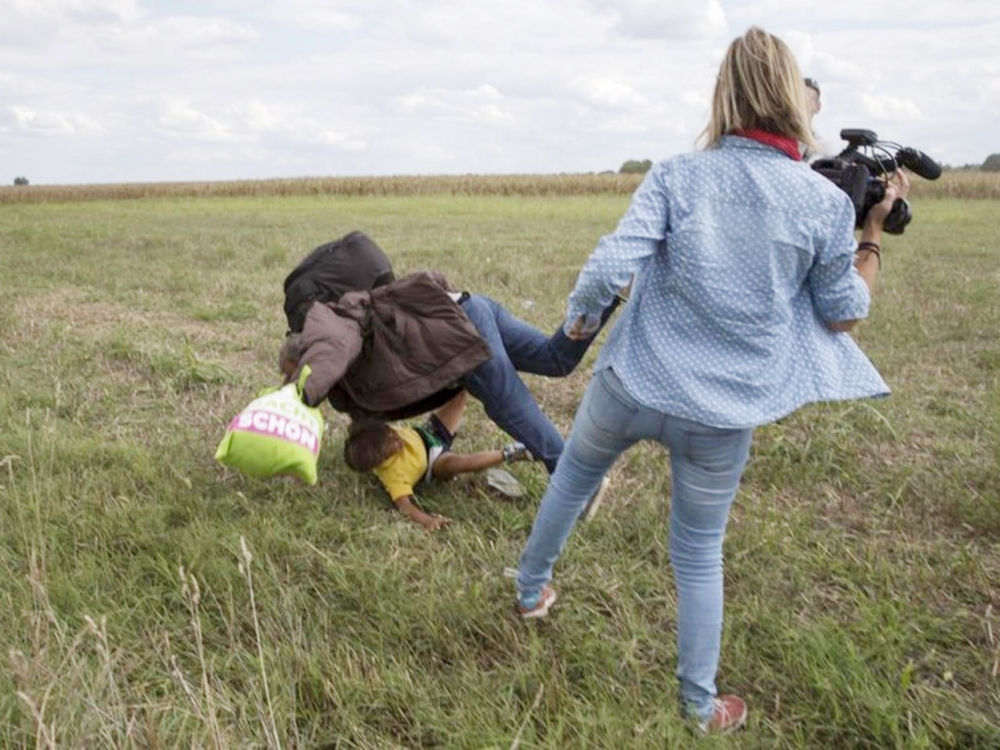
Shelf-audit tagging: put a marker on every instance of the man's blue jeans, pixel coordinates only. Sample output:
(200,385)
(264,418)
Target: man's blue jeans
(519,347)
(706,464)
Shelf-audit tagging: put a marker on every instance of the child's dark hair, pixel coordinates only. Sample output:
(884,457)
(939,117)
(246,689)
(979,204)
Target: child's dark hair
(369,442)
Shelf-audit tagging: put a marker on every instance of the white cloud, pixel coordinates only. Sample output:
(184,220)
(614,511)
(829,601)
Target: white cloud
(177,34)
(655,19)
(180,119)
(891,108)
(489,113)
(32,122)
(487,92)
(607,93)
(338,141)
(116,34)
(86,124)
(260,88)
(39,13)
(257,117)
(316,15)
(417,101)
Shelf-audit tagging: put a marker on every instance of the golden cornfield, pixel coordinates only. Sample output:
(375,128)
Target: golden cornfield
(520,185)
(952,184)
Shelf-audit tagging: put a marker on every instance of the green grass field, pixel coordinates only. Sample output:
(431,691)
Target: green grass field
(153,599)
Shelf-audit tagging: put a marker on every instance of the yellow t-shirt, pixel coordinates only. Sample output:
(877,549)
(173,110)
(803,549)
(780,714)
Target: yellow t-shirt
(404,469)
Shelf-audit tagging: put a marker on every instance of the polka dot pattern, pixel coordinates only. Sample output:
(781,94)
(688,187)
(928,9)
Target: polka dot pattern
(739,254)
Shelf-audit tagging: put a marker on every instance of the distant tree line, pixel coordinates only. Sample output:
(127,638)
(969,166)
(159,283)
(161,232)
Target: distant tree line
(634,166)
(641,166)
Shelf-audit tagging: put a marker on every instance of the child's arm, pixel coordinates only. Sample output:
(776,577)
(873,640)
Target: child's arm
(399,487)
(430,521)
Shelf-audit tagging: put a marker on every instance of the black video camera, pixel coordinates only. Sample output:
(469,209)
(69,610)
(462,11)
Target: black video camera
(860,170)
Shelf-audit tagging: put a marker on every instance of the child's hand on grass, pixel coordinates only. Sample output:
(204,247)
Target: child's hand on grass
(430,521)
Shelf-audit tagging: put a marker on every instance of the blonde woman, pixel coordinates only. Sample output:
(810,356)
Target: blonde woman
(747,279)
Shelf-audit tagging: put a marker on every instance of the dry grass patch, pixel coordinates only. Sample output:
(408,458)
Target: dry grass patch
(862,555)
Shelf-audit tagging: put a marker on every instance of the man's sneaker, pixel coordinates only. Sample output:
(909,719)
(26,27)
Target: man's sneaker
(502,481)
(516,452)
(730,714)
(590,510)
(537,605)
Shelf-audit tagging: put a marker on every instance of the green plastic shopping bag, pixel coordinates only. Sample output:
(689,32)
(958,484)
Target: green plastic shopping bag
(275,435)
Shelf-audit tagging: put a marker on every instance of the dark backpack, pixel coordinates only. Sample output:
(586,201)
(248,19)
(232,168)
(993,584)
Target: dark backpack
(351,263)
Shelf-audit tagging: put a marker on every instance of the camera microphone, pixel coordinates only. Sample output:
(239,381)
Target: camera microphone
(919,162)
(860,170)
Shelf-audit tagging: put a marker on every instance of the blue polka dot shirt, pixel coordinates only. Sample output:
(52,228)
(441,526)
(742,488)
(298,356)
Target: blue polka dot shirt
(739,255)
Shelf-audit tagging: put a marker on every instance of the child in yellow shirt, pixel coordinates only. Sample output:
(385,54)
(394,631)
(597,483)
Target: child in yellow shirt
(403,456)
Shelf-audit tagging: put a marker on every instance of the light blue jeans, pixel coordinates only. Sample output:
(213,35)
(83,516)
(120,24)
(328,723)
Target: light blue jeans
(706,464)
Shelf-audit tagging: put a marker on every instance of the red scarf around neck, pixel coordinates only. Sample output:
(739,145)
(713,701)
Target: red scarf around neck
(783,143)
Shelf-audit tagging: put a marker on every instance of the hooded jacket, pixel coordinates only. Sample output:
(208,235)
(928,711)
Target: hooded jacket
(393,352)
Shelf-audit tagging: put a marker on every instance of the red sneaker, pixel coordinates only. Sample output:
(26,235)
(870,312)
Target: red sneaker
(730,714)
(539,608)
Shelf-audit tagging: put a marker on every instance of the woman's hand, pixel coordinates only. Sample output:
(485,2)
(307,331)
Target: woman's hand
(868,259)
(897,186)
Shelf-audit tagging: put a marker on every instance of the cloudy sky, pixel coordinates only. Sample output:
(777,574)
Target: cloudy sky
(108,91)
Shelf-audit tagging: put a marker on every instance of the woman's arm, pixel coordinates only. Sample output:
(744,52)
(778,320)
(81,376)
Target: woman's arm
(617,257)
(867,258)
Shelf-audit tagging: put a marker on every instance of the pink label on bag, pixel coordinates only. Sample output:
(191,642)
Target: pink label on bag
(275,425)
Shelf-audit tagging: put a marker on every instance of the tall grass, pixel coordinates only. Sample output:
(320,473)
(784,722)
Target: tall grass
(952,184)
(152,598)
(524,185)
(960,185)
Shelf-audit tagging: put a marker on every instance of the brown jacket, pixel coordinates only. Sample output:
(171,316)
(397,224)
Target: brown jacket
(396,351)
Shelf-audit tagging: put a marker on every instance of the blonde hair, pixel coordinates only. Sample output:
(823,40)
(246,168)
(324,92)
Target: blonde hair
(759,86)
